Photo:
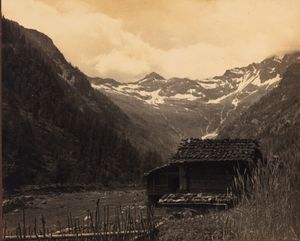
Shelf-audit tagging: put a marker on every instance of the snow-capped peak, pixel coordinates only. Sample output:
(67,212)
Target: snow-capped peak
(153,76)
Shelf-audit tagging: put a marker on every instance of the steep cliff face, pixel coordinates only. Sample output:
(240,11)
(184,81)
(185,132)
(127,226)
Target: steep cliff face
(56,127)
(274,119)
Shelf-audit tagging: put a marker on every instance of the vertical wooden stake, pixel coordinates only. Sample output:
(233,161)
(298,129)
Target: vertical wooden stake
(5,228)
(44,226)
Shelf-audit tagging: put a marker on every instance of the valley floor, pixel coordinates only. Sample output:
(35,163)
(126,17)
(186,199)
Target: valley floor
(173,224)
(55,207)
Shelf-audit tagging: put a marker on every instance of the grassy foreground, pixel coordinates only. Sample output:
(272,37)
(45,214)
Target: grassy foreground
(270,211)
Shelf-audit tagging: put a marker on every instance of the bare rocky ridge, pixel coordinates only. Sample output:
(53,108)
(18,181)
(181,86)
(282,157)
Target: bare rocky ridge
(274,119)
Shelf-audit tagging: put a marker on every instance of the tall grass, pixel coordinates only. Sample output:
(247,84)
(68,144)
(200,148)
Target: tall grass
(268,209)
(269,205)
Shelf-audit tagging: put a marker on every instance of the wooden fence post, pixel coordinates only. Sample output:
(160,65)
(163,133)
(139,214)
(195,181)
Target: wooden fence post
(43,226)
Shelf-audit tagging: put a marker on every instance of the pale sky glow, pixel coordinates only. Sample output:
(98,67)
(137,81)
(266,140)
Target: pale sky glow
(125,39)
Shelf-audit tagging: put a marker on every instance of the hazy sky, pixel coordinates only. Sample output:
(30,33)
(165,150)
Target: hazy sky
(125,39)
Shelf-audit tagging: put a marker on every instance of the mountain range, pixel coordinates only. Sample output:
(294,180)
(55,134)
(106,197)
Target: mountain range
(178,108)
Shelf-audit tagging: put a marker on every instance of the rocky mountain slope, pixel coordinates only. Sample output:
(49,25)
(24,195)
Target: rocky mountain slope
(274,119)
(56,127)
(180,107)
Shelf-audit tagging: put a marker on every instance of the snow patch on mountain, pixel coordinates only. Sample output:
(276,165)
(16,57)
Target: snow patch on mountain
(210,135)
(184,97)
(218,100)
(156,98)
(237,71)
(246,80)
(273,81)
(278,58)
(209,85)
(212,80)
(190,91)
(235,102)
(153,80)
(269,82)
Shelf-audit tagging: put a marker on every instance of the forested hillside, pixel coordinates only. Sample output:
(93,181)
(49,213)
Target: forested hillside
(56,128)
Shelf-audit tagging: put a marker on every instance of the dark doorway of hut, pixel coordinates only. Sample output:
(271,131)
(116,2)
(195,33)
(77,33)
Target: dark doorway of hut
(173,183)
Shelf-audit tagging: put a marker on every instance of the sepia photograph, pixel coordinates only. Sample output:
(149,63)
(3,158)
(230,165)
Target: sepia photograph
(150,120)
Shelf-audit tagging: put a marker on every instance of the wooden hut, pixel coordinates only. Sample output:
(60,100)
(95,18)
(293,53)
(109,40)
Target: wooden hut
(203,167)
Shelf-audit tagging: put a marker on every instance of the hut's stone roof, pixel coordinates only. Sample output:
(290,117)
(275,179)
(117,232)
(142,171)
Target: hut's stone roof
(193,150)
(216,150)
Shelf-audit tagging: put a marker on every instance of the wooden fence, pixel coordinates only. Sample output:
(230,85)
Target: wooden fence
(106,223)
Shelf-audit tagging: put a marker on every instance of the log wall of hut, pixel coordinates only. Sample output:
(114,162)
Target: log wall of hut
(165,180)
(210,177)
